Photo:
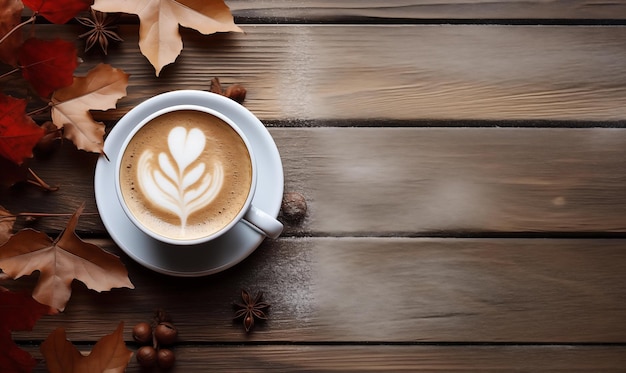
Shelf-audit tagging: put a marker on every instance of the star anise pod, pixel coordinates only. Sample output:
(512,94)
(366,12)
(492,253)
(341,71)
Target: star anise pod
(251,309)
(101,25)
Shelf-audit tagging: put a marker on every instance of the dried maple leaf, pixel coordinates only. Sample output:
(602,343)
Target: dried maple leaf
(12,173)
(18,132)
(18,312)
(159,39)
(99,90)
(58,11)
(109,355)
(48,64)
(61,261)
(10,16)
(7,220)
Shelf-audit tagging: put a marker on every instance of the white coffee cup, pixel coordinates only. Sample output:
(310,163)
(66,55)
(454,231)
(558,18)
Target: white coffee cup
(182,177)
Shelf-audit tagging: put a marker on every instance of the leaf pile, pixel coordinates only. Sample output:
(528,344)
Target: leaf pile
(47,68)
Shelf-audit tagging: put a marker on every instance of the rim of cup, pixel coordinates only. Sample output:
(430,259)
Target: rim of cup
(203,239)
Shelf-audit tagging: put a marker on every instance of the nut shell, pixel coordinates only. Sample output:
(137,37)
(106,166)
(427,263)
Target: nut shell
(293,207)
(142,333)
(166,359)
(165,333)
(147,356)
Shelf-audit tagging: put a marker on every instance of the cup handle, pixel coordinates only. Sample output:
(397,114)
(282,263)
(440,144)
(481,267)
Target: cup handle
(268,225)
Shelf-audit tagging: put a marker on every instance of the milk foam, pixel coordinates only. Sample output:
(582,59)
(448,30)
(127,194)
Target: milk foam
(177,181)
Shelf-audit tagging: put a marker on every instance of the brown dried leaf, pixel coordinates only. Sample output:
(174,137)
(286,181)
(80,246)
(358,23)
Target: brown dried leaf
(7,220)
(99,90)
(109,355)
(60,262)
(10,16)
(159,39)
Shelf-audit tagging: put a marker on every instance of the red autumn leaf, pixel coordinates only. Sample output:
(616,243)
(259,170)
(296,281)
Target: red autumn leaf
(58,11)
(109,355)
(12,173)
(18,132)
(18,312)
(48,64)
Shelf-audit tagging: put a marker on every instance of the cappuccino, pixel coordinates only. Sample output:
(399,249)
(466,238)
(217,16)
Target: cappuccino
(185,175)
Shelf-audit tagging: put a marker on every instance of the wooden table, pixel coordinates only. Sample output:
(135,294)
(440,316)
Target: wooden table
(464,166)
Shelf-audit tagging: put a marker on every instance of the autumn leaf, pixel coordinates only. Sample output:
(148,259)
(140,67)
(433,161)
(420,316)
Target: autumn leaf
(98,90)
(10,16)
(109,355)
(18,312)
(58,11)
(61,261)
(12,173)
(18,132)
(48,64)
(7,220)
(159,38)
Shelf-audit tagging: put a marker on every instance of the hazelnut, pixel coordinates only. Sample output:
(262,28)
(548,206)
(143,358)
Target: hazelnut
(165,333)
(147,356)
(293,207)
(142,333)
(165,359)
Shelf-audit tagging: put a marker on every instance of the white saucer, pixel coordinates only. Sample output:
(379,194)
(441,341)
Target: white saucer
(194,260)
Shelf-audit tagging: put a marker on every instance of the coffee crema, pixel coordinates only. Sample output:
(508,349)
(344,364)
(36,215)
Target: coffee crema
(185,174)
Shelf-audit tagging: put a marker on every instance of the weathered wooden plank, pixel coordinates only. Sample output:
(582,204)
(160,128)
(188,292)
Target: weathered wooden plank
(409,72)
(328,11)
(346,290)
(429,181)
(601,359)
(410,181)
(272,11)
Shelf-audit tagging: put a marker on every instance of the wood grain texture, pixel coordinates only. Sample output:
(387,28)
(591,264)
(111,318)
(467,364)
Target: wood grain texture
(380,290)
(327,11)
(286,11)
(539,359)
(296,74)
(409,181)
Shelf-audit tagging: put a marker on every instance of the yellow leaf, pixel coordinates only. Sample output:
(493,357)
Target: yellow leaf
(98,90)
(159,39)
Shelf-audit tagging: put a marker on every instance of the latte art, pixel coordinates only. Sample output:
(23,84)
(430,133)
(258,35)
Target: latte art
(185,175)
(176,181)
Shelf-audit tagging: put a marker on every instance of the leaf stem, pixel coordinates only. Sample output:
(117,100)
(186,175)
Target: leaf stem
(9,73)
(40,215)
(39,182)
(32,18)
(37,111)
